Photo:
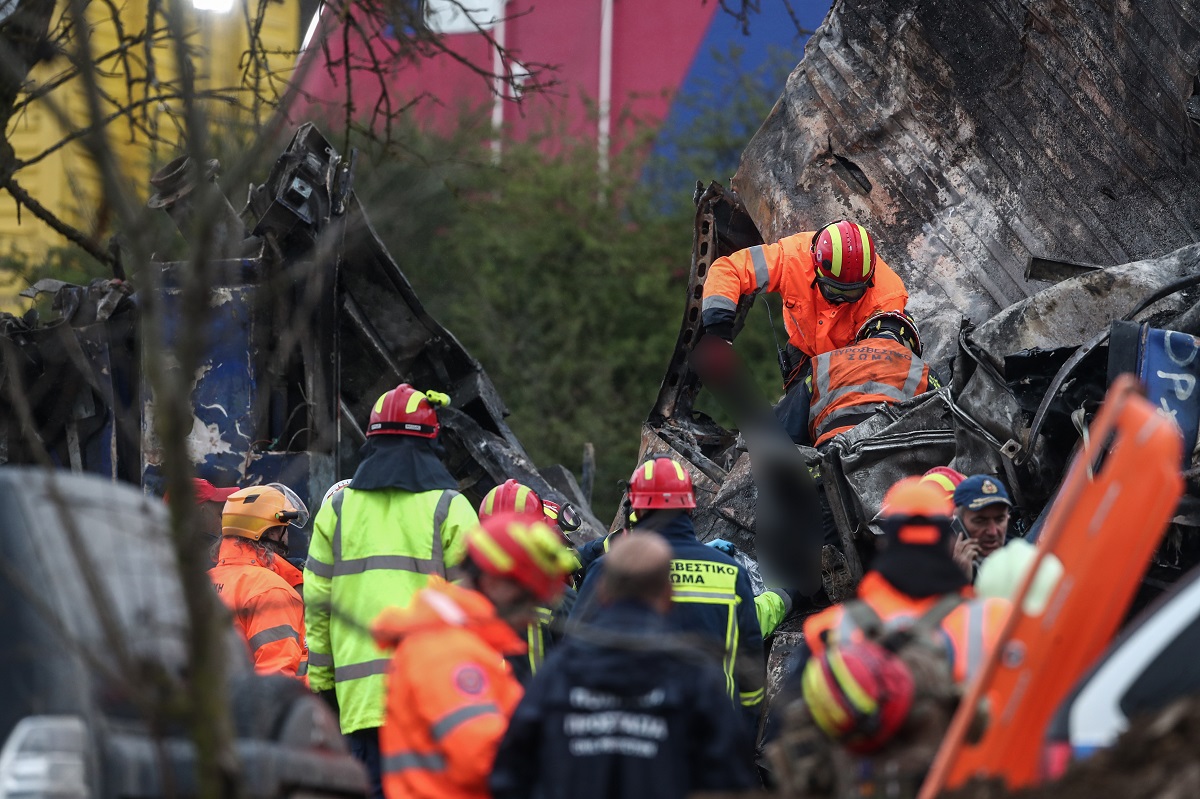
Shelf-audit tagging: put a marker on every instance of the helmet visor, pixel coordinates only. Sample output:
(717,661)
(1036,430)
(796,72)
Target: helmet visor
(838,292)
(297,512)
(564,515)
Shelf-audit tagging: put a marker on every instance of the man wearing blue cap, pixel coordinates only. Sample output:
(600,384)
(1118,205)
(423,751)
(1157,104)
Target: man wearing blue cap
(981,507)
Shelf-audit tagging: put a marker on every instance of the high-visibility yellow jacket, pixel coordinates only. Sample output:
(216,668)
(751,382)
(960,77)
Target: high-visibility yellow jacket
(371,550)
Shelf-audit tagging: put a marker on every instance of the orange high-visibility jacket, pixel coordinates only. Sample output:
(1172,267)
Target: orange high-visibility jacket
(450,693)
(970,630)
(267,611)
(813,324)
(846,381)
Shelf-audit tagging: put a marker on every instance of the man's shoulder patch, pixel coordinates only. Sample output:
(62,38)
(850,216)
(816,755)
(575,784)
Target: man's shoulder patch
(470,679)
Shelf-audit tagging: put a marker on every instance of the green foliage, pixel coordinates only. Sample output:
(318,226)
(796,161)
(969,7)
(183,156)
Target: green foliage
(567,285)
(68,264)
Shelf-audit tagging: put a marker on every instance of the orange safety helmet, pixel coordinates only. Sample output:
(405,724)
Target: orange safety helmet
(896,325)
(512,497)
(528,552)
(858,693)
(661,483)
(252,511)
(404,411)
(843,254)
(916,511)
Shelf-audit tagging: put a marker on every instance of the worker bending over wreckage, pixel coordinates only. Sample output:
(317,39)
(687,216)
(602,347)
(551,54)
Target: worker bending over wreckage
(450,692)
(847,386)
(831,281)
(375,543)
(713,599)
(511,497)
(626,708)
(881,675)
(256,582)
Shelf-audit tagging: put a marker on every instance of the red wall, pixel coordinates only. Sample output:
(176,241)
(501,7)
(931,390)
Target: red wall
(652,52)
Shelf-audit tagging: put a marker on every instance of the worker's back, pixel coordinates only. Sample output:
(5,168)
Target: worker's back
(371,550)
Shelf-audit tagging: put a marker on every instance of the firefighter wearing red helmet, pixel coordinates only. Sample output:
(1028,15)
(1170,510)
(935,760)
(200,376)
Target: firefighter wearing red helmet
(713,598)
(399,523)
(831,281)
(512,497)
(880,674)
(450,692)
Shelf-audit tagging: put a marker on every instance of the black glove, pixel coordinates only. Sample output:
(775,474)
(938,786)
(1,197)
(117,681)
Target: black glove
(721,329)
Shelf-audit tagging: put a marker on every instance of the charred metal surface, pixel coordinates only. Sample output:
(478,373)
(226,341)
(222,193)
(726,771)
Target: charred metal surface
(969,137)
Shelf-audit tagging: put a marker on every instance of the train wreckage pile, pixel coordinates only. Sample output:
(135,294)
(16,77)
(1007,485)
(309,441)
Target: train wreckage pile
(1028,169)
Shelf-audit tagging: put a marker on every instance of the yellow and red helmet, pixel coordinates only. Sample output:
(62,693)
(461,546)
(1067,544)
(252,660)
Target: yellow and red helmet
(661,482)
(844,258)
(404,411)
(252,511)
(525,551)
(859,694)
(512,497)
(944,478)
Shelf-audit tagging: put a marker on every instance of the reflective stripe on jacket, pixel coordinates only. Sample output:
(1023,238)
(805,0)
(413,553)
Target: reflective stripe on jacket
(371,550)
(713,600)
(970,630)
(450,693)
(814,325)
(848,381)
(267,612)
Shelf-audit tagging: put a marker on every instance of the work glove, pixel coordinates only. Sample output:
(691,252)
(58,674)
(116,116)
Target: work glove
(788,595)
(721,330)
(721,545)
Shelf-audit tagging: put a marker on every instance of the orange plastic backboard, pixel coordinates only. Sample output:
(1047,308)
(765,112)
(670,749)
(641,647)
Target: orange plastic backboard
(1118,496)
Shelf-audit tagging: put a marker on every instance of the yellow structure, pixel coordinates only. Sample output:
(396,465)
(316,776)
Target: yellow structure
(64,180)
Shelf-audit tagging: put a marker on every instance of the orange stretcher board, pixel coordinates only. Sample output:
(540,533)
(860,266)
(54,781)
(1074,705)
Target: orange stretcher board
(1119,494)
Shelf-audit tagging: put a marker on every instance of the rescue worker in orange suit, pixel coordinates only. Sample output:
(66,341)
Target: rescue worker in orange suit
(913,581)
(540,636)
(848,385)
(713,598)
(375,543)
(255,581)
(450,692)
(831,281)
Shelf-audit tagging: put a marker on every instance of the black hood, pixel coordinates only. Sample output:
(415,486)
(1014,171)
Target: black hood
(625,649)
(408,463)
(920,571)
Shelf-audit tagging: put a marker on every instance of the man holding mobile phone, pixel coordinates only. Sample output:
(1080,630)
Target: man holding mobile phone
(981,513)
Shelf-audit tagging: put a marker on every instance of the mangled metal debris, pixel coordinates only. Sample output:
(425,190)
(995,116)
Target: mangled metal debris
(311,319)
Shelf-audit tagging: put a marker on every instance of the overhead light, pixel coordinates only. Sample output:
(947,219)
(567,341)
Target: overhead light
(220,6)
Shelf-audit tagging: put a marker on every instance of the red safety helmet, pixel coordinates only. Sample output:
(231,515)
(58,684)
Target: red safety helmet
(512,497)
(661,483)
(858,693)
(403,411)
(844,257)
(526,551)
